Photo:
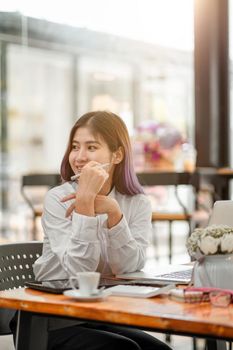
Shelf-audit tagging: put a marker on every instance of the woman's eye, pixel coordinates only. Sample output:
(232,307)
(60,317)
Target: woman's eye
(74,147)
(92,148)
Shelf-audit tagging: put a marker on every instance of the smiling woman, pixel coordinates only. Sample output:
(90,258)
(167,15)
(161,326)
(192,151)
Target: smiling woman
(106,229)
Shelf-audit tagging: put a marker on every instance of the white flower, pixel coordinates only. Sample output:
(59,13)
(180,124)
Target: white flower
(215,239)
(227,243)
(209,245)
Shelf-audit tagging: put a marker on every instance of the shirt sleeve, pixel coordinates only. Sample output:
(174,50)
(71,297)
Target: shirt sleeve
(70,245)
(128,240)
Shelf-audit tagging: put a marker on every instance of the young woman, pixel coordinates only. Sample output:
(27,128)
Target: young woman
(99,222)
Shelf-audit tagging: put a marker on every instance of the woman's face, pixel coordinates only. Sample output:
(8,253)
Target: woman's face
(87,147)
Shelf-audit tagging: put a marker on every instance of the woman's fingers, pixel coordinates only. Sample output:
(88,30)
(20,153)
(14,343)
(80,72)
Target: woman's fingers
(72,206)
(70,210)
(68,197)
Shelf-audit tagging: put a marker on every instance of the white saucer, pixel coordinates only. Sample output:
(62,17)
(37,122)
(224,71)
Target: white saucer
(73,293)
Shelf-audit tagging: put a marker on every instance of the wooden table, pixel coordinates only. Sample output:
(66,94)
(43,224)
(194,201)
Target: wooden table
(158,314)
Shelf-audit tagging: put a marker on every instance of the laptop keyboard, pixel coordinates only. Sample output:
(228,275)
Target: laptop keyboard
(179,276)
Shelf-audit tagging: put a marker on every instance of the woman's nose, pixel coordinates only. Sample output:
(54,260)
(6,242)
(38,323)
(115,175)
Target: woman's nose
(81,155)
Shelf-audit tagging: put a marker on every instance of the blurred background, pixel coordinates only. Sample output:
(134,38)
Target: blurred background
(147,60)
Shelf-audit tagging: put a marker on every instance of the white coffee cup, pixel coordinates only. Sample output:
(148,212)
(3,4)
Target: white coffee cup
(86,281)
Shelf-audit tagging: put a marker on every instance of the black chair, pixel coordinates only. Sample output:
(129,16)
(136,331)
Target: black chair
(16,260)
(31,181)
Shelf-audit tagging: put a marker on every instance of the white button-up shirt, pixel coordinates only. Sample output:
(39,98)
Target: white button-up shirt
(84,243)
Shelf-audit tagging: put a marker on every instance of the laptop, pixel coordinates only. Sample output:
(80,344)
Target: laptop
(178,274)
(222,213)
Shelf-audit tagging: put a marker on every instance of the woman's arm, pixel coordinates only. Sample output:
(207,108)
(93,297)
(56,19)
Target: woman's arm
(69,245)
(128,240)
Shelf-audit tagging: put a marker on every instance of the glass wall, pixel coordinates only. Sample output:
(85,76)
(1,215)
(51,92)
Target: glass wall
(105,84)
(55,73)
(168,93)
(39,85)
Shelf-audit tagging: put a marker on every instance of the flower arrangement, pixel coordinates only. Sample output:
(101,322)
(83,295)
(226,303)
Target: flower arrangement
(160,141)
(215,239)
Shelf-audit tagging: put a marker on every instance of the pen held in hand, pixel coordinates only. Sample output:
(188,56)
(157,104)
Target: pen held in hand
(75,177)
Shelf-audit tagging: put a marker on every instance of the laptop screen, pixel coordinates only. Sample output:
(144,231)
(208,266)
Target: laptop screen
(222,213)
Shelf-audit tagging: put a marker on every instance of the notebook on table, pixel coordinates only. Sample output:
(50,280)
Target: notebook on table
(59,286)
(139,291)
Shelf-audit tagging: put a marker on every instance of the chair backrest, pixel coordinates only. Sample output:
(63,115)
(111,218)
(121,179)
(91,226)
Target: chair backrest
(38,180)
(49,180)
(16,261)
(222,213)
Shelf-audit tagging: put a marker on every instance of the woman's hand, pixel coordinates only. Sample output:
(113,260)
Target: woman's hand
(72,206)
(102,205)
(91,180)
(109,206)
(105,204)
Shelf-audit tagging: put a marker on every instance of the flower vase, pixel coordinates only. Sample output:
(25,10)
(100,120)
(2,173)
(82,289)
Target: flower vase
(214,271)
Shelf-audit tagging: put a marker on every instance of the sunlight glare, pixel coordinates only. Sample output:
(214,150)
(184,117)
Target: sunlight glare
(163,22)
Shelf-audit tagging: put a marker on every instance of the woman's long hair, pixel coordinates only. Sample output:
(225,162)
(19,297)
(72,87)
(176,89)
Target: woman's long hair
(114,132)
